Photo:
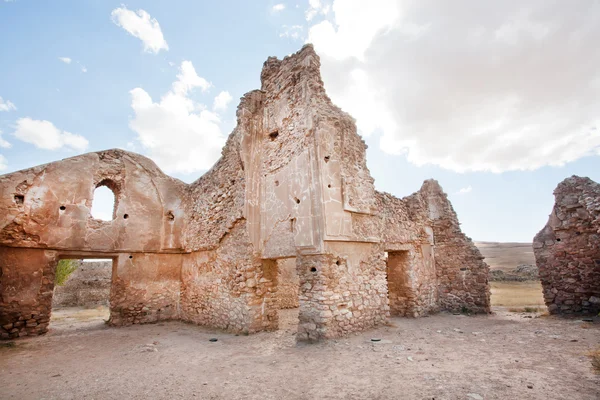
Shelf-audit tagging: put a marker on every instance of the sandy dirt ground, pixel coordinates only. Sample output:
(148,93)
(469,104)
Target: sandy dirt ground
(503,356)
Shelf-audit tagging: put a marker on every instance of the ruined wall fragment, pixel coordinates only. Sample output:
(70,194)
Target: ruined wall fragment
(567,249)
(462,275)
(45,215)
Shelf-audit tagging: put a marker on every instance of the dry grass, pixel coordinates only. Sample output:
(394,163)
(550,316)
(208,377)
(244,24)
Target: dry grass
(595,359)
(518,294)
(506,256)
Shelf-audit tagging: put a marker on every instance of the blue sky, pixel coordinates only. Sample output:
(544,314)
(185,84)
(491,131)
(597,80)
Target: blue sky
(498,103)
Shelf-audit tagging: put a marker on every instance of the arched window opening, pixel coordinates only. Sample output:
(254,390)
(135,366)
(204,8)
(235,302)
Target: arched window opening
(104,203)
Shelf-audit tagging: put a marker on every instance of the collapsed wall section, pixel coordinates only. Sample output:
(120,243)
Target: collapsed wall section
(461,273)
(567,249)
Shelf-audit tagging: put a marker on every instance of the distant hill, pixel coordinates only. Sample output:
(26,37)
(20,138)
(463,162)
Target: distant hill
(506,256)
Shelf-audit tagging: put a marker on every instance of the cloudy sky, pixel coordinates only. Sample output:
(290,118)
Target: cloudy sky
(499,101)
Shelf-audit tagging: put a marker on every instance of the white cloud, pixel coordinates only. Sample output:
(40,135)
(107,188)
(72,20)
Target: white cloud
(467,86)
(294,31)
(66,60)
(278,7)
(141,26)
(83,69)
(44,135)
(178,133)
(3,163)
(4,143)
(316,7)
(6,105)
(222,101)
(465,190)
(188,79)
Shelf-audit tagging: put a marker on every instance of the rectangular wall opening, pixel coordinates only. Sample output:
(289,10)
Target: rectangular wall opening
(288,286)
(81,297)
(399,289)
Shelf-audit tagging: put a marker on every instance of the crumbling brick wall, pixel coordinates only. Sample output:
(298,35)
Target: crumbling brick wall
(567,249)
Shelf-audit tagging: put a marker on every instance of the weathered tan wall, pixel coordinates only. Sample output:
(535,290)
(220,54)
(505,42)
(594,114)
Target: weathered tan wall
(56,201)
(228,288)
(88,286)
(342,291)
(567,250)
(145,288)
(27,281)
(412,281)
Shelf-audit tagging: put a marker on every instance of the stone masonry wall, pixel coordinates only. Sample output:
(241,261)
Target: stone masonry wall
(462,275)
(88,286)
(343,291)
(567,249)
(229,288)
(25,291)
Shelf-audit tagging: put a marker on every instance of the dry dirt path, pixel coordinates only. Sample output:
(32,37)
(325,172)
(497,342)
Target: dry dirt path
(504,356)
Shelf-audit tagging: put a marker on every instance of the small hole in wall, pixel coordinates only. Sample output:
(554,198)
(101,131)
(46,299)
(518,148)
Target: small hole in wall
(276,183)
(130,257)
(327,158)
(125,216)
(19,198)
(292,224)
(297,200)
(313,269)
(558,240)
(463,269)
(337,262)
(273,135)
(329,186)
(62,208)
(170,216)
(578,233)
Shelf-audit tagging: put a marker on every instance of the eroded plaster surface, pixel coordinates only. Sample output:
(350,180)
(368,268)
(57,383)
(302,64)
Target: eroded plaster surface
(291,189)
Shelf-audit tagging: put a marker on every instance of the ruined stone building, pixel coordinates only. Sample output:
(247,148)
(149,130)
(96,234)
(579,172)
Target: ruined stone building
(567,250)
(291,188)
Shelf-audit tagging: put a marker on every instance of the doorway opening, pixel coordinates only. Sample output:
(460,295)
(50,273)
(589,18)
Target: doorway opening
(288,287)
(400,292)
(81,298)
(514,279)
